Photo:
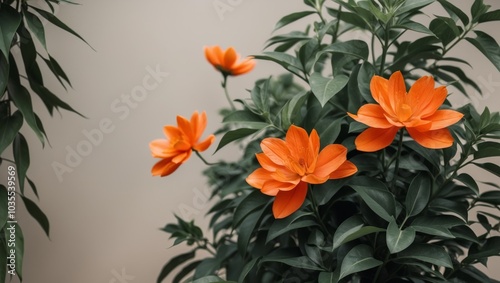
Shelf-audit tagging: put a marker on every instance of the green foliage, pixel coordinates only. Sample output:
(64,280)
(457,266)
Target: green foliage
(20,80)
(406,216)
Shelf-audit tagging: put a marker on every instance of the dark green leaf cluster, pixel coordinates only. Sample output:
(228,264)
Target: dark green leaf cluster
(20,81)
(408,213)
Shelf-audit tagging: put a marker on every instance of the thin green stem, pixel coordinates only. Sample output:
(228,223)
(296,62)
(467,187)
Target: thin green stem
(398,157)
(385,48)
(316,211)
(224,86)
(203,159)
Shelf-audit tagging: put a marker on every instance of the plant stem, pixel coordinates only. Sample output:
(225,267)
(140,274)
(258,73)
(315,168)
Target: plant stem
(398,155)
(316,210)
(203,159)
(224,86)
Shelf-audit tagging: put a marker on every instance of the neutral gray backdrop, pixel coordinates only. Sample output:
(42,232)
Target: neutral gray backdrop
(104,207)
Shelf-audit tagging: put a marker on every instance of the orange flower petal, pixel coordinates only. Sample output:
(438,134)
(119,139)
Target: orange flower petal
(297,141)
(313,179)
(272,187)
(284,175)
(420,94)
(258,177)
(203,145)
(198,124)
(244,67)
(164,168)
(373,139)
(329,159)
(436,139)
(444,118)
(287,202)
(266,162)
(373,116)
(275,149)
(212,55)
(181,157)
(230,57)
(172,132)
(379,87)
(160,148)
(186,129)
(345,170)
(397,95)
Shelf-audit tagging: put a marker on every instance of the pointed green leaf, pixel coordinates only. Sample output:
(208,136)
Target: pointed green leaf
(358,259)
(247,268)
(398,240)
(4,74)
(22,159)
(173,263)
(10,20)
(418,195)
(376,195)
(355,48)
(488,46)
(299,262)
(414,26)
(187,269)
(491,247)
(412,5)
(37,214)
(292,18)
(427,253)
(487,149)
(351,229)
(234,135)
(36,26)
(4,212)
(490,167)
(490,16)
(255,200)
(454,11)
(9,127)
(436,225)
(329,277)
(295,221)
(291,112)
(324,89)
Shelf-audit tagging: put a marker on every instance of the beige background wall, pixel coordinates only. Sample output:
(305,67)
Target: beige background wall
(105,213)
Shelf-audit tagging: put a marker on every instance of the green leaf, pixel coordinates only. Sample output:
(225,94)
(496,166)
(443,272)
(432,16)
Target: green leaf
(329,277)
(488,46)
(491,197)
(478,9)
(255,200)
(246,118)
(490,16)
(454,11)
(437,225)
(412,5)
(445,29)
(185,271)
(246,230)
(55,21)
(355,48)
(37,214)
(418,195)
(287,61)
(328,130)
(490,167)
(292,18)
(414,26)
(9,127)
(260,96)
(324,89)
(211,279)
(427,253)
(247,268)
(491,247)
(487,149)
(22,158)
(299,262)
(234,135)
(22,99)
(358,259)
(291,111)
(4,74)
(398,240)
(57,70)
(376,196)
(295,221)
(4,212)
(351,229)
(36,26)
(173,263)
(10,20)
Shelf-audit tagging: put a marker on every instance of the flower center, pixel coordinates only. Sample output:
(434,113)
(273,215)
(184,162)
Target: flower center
(404,112)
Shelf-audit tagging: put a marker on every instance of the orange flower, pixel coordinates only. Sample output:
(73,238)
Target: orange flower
(288,165)
(417,111)
(180,143)
(227,61)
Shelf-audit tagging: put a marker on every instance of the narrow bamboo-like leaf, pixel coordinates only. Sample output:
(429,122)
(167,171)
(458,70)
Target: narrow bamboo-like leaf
(57,71)
(488,46)
(490,167)
(10,20)
(22,159)
(185,271)
(247,268)
(246,229)
(9,127)
(287,61)
(445,29)
(37,214)
(399,239)
(358,259)
(292,18)
(427,253)
(487,149)
(491,197)
(412,5)
(55,21)
(36,26)
(173,263)
(491,247)
(324,89)
(234,135)
(418,195)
